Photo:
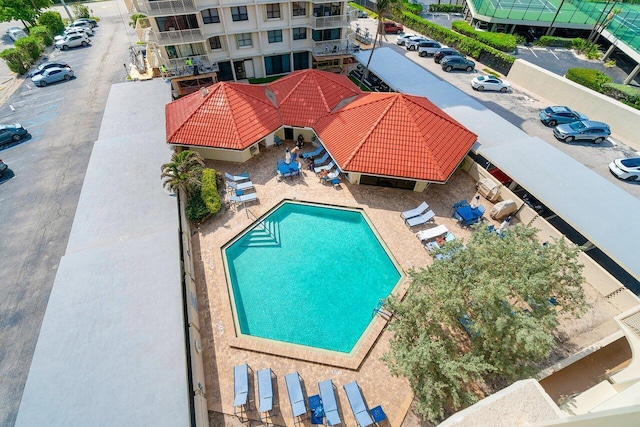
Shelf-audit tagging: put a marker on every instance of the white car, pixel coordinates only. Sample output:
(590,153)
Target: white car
(402,38)
(627,169)
(80,24)
(412,43)
(73,40)
(16,33)
(70,31)
(490,83)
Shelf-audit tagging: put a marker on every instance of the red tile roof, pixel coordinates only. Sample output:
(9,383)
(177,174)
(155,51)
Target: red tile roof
(397,135)
(230,115)
(305,96)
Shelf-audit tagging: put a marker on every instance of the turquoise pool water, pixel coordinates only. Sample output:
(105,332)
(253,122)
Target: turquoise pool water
(316,283)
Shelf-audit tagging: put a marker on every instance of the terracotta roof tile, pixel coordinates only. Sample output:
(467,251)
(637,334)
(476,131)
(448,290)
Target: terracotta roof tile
(230,115)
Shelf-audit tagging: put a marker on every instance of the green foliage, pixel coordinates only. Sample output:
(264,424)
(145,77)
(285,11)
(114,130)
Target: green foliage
(52,21)
(15,59)
(593,79)
(196,209)
(31,46)
(133,19)
(261,80)
(500,41)
(22,10)
(492,57)
(414,8)
(183,172)
(502,285)
(41,33)
(587,48)
(80,10)
(209,190)
(446,8)
(623,93)
(357,83)
(553,41)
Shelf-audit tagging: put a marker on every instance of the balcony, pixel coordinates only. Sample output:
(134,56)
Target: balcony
(336,21)
(334,48)
(166,38)
(177,67)
(165,7)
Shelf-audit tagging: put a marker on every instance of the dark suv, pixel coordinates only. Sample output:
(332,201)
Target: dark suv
(443,52)
(454,62)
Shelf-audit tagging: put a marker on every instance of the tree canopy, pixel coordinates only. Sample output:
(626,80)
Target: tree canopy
(183,171)
(486,310)
(22,10)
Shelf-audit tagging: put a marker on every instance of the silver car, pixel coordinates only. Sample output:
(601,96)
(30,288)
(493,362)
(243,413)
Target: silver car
(52,75)
(595,132)
(73,40)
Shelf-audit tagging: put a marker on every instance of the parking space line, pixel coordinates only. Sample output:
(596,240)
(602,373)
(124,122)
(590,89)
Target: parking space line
(30,101)
(534,54)
(554,54)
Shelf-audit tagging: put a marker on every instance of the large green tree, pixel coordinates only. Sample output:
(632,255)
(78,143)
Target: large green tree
(486,310)
(26,11)
(182,172)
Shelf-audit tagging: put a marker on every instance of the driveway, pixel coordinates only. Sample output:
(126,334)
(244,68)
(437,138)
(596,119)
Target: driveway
(38,196)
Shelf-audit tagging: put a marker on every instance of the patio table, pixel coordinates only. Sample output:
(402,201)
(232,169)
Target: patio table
(468,214)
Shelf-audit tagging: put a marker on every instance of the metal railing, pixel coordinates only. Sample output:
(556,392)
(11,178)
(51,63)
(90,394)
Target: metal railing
(177,67)
(261,222)
(165,7)
(334,47)
(166,38)
(331,21)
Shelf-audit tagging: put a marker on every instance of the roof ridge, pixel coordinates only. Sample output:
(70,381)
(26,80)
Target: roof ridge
(233,113)
(321,92)
(295,86)
(437,111)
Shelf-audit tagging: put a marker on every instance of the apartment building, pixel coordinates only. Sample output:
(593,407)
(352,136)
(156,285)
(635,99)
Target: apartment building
(200,41)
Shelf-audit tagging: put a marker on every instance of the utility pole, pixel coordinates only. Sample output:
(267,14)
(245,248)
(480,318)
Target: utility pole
(66,9)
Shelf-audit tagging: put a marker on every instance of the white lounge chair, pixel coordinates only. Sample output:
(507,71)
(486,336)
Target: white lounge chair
(328,166)
(424,218)
(243,198)
(236,178)
(416,211)
(432,233)
(240,186)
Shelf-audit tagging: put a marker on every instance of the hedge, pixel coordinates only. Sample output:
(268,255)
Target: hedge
(31,46)
(41,33)
(446,8)
(15,59)
(196,209)
(626,94)
(552,41)
(209,190)
(495,59)
(588,77)
(500,41)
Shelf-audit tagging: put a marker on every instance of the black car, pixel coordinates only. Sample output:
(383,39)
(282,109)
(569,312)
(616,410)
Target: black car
(442,52)
(454,62)
(46,65)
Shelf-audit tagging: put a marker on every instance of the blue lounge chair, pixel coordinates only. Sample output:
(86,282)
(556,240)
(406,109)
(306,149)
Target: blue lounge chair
(328,166)
(265,392)
(236,178)
(312,153)
(277,140)
(329,402)
(240,388)
(358,407)
(240,186)
(416,211)
(321,160)
(422,219)
(316,409)
(296,397)
(244,198)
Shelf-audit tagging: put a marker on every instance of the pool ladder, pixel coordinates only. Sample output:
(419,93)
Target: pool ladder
(270,227)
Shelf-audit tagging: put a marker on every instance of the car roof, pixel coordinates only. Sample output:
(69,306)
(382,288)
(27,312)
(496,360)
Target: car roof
(559,109)
(592,124)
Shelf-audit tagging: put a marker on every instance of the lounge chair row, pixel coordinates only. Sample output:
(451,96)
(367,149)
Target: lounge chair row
(322,406)
(418,216)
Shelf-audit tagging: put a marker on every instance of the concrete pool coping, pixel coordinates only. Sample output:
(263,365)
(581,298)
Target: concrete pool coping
(352,360)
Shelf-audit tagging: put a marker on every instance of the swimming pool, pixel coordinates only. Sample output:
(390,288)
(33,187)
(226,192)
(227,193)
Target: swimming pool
(312,276)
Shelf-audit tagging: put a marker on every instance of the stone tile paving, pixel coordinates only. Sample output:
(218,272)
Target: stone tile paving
(383,206)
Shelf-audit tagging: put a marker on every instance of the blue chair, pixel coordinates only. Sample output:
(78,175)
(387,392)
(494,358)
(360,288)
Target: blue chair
(312,153)
(460,204)
(296,397)
(321,160)
(356,402)
(329,402)
(265,392)
(277,140)
(236,178)
(378,414)
(240,388)
(317,411)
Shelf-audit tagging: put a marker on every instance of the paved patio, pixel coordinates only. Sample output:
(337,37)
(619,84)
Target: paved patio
(383,206)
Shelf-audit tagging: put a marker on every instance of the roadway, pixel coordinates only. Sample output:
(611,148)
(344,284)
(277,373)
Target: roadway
(39,195)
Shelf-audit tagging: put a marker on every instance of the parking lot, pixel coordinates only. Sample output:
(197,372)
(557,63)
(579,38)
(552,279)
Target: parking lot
(521,109)
(39,194)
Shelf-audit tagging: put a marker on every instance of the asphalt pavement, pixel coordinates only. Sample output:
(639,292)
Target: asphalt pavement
(39,194)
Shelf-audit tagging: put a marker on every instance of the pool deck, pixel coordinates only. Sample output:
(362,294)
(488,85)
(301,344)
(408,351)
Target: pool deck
(383,207)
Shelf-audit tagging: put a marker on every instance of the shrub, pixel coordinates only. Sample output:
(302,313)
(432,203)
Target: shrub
(446,8)
(80,10)
(133,19)
(52,21)
(588,49)
(42,34)
(626,94)
(552,41)
(209,190)
(196,209)
(500,41)
(15,60)
(588,77)
(31,47)
(414,8)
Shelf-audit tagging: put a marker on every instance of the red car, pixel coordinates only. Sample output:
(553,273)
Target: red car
(391,27)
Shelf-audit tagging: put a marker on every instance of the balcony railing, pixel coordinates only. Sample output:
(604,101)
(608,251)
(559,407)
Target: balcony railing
(331,21)
(166,38)
(334,48)
(165,7)
(177,67)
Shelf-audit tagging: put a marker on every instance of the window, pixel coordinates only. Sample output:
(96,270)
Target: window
(275,36)
(323,35)
(301,61)
(214,43)
(244,39)
(277,64)
(210,16)
(180,22)
(273,11)
(299,8)
(299,33)
(239,13)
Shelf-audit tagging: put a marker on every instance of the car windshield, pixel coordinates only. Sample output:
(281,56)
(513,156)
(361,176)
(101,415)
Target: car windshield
(633,162)
(577,126)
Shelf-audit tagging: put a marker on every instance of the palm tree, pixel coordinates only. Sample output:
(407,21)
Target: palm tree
(182,172)
(383,9)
